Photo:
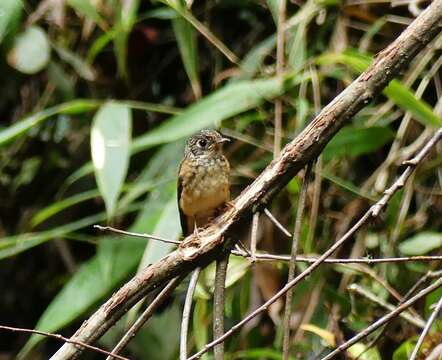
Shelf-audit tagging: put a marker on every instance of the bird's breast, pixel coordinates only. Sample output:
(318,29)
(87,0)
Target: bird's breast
(205,187)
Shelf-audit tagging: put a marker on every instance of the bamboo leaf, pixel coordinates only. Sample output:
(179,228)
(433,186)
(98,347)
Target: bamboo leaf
(187,43)
(401,95)
(110,142)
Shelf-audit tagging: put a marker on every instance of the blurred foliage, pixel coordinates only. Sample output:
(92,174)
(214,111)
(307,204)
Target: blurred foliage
(97,99)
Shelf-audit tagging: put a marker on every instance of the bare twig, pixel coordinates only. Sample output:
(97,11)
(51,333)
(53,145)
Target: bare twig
(318,165)
(186,313)
(129,233)
(426,329)
(254,235)
(383,282)
(416,321)
(279,71)
(196,251)
(372,212)
(276,222)
(218,304)
(412,163)
(426,277)
(385,319)
(292,263)
(145,316)
(368,261)
(62,338)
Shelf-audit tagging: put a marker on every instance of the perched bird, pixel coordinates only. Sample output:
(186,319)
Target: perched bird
(203,180)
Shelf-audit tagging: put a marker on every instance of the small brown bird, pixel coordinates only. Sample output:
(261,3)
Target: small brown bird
(203,180)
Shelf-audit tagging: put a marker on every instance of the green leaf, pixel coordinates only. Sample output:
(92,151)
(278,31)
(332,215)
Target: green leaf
(421,243)
(110,142)
(360,351)
(347,185)
(164,210)
(297,47)
(187,43)
(406,100)
(354,141)
(22,126)
(404,351)
(398,93)
(159,340)
(10,12)
(200,316)
(13,245)
(117,256)
(81,67)
(123,27)
(58,206)
(273,6)
(230,100)
(73,107)
(87,8)
(254,60)
(264,353)
(31,51)
(87,286)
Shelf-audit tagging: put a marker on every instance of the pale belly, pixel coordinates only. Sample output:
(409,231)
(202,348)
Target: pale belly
(205,192)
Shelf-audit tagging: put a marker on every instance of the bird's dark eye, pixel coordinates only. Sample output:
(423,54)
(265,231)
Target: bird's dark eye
(202,143)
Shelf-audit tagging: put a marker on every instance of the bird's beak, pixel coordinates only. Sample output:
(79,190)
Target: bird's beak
(223,140)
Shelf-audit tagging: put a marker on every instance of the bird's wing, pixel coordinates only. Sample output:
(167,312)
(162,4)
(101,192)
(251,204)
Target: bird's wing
(183,218)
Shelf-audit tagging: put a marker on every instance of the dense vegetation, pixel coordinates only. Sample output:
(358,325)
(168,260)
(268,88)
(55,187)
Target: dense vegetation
(97,98)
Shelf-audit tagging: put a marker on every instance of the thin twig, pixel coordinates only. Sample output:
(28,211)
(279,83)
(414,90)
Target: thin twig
(416,321)
(383,282)
(426,329)
(369,261)
(62,338)
(428,275)
(276,222)
(383,320)
(279,71)
(140,235)
(372,212)
(292,263)
(318,166)
(167,290)
(186,313)
(254,235)
(218,304)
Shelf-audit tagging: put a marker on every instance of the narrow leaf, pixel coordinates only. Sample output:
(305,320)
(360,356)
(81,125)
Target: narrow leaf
(110,141)
(187,43)
(398,93)
(210,111)
(422,243)
(10,11)
(354,141)
(87,8)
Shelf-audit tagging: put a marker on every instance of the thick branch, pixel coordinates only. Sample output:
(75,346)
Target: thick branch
(306,146)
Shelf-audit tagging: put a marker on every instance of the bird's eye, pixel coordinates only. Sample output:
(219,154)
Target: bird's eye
(202,143)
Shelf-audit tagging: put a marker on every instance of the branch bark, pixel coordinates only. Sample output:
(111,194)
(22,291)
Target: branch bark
(213,241)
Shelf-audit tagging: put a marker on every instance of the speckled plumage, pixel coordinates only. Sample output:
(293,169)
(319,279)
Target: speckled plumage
(203,181)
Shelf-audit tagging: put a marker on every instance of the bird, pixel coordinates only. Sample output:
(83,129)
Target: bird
(203,187)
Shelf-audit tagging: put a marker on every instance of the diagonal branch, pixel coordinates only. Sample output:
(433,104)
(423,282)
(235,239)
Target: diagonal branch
(385,319)
(211,242)
(372,212)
